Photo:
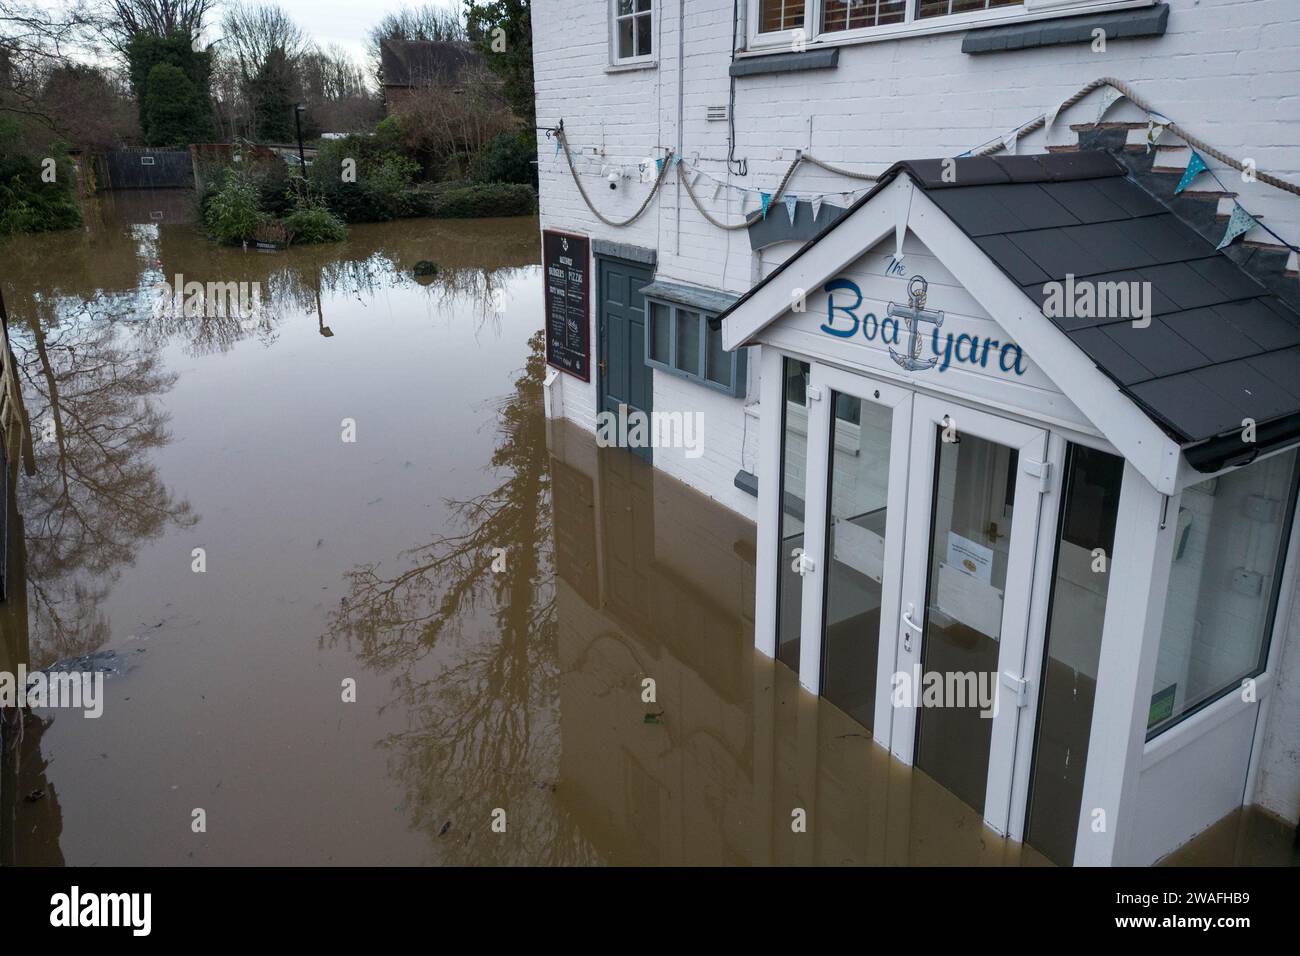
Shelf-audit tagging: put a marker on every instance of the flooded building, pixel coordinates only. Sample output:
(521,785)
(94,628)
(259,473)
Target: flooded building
(955,303)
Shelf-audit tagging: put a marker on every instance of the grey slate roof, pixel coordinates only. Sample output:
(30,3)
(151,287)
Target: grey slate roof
(1220,348)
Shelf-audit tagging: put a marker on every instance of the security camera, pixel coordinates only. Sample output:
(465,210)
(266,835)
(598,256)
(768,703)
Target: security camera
(613,180)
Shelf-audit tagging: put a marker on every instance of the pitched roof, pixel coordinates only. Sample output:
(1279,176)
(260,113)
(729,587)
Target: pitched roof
(1219,349)
(422,63)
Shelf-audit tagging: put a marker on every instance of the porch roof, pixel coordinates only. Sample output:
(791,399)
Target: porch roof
(1220,348)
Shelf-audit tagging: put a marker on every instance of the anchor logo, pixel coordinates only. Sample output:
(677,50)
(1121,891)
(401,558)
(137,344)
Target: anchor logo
(913,314)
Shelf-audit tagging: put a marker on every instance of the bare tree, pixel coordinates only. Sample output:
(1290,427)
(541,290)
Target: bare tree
(127,19)
(424,22)
(254,34)
(33,40)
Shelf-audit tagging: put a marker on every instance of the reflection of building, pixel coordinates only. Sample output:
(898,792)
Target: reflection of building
(655,581)
(969,445)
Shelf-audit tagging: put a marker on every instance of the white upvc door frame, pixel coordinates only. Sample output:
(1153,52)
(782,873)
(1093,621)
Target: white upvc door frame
(1012,724)
(824,383)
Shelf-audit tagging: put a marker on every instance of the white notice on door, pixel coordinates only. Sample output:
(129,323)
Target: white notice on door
(971,557)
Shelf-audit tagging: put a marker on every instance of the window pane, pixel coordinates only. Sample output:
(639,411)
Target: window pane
(932,8)
(688,341)
(625,39)
(969,548)
(1228,551)
(718,359)
(643,25)
(1080,583)
(624,7)
(855,14)
(855,559)
(660,333)
(643,4)
(794,459)
(780,15)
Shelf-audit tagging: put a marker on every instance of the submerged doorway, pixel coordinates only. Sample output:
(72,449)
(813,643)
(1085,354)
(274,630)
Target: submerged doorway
(623,378)
(908,541)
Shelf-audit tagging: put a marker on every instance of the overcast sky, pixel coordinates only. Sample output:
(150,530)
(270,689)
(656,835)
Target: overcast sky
(343,22)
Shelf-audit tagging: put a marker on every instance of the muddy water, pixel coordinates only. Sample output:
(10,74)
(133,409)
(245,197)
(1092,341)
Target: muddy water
(498,589)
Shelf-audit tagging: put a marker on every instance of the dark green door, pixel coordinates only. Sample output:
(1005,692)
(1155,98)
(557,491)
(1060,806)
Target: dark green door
(624,378)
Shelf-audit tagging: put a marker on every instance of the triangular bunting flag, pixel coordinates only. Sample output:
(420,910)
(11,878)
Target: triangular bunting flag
(1239,222)
(791,207)
(1050,117)
(659,165)
(1109,96)
(1009,141)
(557,146)
(766,200)
(1195,166)
(816,206)
(1156,123)
(717,188)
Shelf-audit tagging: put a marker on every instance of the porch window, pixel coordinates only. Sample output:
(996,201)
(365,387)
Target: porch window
(1229,548)
(1077,612)
(680,341)
(633,23)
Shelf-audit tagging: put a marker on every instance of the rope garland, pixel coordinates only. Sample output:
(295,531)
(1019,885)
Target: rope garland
(990,149)
(1120,86)
(659,181)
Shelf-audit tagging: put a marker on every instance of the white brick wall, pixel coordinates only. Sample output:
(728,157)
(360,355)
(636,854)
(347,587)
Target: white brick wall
(1227,70)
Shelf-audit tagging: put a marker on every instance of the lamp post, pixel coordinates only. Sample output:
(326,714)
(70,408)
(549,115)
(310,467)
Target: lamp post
(297,122)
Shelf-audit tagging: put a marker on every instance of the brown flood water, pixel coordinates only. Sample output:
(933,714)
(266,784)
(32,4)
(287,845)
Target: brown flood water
(477,690)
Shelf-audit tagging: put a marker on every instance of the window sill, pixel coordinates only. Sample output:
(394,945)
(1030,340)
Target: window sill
(1005,16)
(633,67)
(1117,25)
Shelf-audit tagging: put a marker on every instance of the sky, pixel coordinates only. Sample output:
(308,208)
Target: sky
(343,23)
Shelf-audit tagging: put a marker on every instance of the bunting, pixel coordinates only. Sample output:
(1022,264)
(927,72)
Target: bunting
(791,207)
(1239,222)
(1195,166)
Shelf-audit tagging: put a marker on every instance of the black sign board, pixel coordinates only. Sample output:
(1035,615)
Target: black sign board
(568,299)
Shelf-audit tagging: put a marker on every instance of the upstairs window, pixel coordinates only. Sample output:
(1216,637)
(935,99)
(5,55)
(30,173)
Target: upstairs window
(840,15)
(946,8)
(633,24)
(775,15)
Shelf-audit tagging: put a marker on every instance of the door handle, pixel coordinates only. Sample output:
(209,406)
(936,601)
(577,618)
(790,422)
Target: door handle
(601,365)
(912,626)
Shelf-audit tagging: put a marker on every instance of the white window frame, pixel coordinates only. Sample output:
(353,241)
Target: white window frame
(645,59)
(758,43)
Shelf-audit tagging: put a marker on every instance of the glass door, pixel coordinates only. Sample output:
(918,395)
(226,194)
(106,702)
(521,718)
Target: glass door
(859,432)
(960,693)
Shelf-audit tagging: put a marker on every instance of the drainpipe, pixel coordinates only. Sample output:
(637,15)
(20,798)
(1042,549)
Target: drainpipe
(681,99)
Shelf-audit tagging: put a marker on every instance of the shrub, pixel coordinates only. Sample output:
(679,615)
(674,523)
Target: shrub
(506,158)
(495,199)
(27,202)
(312,223)
(233,212)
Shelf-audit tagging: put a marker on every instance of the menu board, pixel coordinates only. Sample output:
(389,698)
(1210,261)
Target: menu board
(568,295)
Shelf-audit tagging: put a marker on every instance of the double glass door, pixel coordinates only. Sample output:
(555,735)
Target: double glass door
(914,567)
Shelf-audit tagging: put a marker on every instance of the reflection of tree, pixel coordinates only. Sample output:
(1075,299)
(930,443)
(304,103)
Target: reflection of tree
(472,654)
(91,394)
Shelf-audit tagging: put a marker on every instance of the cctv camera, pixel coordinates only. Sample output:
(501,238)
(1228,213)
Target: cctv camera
(613,180)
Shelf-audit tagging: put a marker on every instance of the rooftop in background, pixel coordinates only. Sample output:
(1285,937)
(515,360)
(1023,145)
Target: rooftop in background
(412,64)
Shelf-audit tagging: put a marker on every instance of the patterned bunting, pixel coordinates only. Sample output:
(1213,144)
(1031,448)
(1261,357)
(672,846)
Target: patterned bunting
(766,199)
(816,206)
(1195,166)
(791,207)
(1238,223)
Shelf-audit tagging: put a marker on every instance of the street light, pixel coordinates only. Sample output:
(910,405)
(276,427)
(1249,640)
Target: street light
(297,122)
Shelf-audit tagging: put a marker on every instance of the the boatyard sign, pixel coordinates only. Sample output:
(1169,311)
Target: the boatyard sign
(568,286)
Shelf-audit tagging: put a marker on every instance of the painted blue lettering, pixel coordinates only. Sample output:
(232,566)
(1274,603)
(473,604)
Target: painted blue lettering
(947,348)
(831,308)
